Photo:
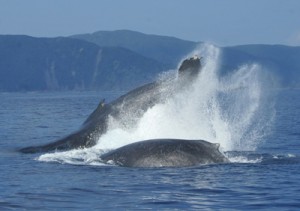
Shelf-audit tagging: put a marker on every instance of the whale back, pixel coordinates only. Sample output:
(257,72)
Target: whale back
(135,102)
(166,153)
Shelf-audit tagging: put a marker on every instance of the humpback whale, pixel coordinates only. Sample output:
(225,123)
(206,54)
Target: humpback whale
(165,153)
(137,101)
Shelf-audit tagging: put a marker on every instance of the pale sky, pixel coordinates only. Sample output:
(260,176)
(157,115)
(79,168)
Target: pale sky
(223,22)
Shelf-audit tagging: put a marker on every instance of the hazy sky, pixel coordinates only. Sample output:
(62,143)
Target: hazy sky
(223,22)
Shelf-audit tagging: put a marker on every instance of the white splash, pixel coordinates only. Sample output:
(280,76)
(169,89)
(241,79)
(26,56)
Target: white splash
(232,110)
(244,159)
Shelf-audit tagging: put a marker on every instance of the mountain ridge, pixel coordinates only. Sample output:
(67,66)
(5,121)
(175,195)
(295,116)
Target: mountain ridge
(73,63)
(171,49)
(61,63)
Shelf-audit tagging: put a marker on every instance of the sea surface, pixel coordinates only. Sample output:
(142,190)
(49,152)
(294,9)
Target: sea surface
(268,178)
(256,125)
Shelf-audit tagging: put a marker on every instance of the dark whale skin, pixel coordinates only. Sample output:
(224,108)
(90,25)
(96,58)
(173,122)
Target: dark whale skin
(165,153)
(137,101)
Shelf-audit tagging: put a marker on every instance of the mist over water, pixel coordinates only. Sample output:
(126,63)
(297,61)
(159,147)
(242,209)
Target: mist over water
(234,110)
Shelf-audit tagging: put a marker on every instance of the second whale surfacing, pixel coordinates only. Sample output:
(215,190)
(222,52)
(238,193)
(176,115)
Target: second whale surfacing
(148,153)
(165,153)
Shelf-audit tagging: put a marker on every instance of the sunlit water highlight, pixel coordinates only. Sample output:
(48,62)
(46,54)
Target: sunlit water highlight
(234,110)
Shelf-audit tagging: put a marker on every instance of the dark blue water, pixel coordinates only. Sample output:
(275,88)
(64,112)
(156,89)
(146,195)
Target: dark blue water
(272,181)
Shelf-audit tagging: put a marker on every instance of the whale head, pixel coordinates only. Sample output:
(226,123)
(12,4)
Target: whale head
(190,67)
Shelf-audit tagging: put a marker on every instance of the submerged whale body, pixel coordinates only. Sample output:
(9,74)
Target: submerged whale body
(137,101)
(166,153)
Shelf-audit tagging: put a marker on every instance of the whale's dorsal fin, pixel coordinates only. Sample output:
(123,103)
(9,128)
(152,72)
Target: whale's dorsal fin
(216,145)
(100,106)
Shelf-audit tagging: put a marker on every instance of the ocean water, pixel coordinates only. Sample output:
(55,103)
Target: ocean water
(257,126)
